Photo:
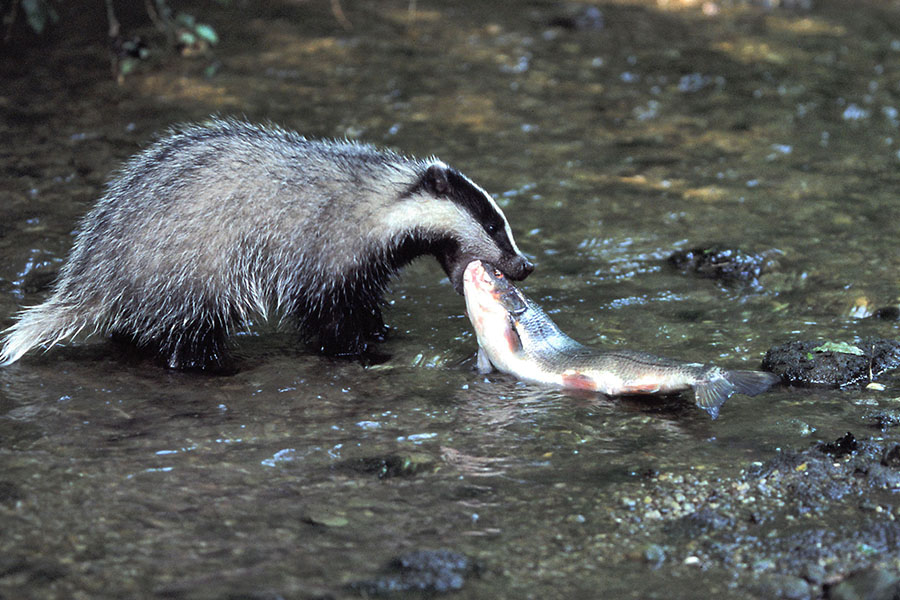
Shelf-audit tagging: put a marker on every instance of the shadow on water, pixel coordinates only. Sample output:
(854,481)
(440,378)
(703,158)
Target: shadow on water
(610,142)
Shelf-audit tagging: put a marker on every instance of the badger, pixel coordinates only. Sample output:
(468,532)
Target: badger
(219,223)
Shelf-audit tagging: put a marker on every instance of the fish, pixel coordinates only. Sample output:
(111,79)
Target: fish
(515,336)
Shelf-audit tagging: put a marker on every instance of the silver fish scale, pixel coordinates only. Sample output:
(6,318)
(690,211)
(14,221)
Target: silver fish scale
(555,350)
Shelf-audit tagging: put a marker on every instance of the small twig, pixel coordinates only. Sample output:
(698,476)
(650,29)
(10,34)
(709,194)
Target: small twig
(338,13)
(113,21)
(10,19)
(154,16)
(115,41)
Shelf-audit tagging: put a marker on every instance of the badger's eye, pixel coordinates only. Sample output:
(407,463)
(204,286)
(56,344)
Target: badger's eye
(491,228)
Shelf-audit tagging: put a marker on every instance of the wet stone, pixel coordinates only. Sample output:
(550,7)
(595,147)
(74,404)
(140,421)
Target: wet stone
(35,571)
(891,457)
(38,281)
(723,263)
(882,477)
(800,363)
(841,447)
(654,554)
(869,584)
(786,587)
(392,465)
(579,17)
(429,571)
(9,493)
(698,523)
(887,313)
(884,419)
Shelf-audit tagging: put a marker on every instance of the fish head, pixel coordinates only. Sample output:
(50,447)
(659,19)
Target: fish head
(493,303)
(485,280)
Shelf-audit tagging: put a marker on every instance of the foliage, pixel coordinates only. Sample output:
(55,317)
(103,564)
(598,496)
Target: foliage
(38,14)
(182,31)
(840,347)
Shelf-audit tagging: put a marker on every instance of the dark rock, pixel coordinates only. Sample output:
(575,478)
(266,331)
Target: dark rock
(37,570)
(36,281)
(810,477)
(391,465)
(579,18)
(891,456)
(883,477)
(798,364)
(887,313)
(654,554)
(869,584)
(840,447)
(429,571)
(9,493)
(884,419)
(698,523)
(723,263)
(787,587)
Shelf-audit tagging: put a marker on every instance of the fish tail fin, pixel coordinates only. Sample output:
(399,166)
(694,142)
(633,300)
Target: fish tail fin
(711,394)
(751,383)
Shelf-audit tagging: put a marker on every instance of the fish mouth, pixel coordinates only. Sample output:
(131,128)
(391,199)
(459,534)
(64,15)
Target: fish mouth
(455,266)
(476,275)
(495,288)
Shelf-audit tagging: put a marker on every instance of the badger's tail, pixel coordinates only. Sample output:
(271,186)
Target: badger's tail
(43,325)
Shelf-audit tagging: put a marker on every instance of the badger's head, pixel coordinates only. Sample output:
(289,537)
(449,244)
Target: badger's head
(462,223)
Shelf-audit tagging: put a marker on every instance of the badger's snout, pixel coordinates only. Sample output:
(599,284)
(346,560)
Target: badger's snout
(516,267)
(519,269)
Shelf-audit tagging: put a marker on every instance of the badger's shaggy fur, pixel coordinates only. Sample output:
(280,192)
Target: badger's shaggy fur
(220,222)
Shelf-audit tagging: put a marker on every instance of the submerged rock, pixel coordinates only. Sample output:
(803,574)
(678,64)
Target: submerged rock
(390,465)
(785,587)
(578,17)
(429,571)
(867,584)
(812,363)
(723,263)
(887,313)
(840,447)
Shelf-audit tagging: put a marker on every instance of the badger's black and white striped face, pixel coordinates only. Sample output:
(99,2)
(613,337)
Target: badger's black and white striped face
(464,223)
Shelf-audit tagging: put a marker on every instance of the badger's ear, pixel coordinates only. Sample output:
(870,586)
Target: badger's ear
(436,178)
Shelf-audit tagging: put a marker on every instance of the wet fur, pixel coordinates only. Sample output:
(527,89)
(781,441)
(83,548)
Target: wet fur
(216,225)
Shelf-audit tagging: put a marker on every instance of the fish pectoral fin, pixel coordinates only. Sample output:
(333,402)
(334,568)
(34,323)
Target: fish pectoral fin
(712,394)
(512,336)
(483,362)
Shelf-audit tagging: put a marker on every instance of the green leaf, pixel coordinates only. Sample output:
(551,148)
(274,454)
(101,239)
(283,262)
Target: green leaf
(207,33)
(186,20)
(187,38)
(38,13)
(840,347)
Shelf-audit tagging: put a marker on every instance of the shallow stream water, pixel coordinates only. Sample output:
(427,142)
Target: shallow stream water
(613,134)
